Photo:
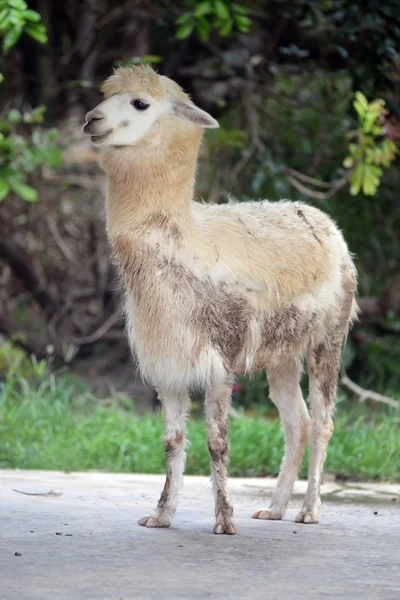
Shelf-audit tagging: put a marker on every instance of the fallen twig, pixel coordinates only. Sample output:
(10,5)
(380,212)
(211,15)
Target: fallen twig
(364,394)
(49,493)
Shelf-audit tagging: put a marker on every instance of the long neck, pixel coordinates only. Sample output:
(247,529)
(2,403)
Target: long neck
(151,178)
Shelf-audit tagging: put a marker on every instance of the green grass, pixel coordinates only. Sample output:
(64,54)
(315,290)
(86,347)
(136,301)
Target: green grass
(52,424)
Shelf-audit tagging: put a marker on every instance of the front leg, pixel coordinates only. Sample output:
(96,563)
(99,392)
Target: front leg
(175,410)
(218,400)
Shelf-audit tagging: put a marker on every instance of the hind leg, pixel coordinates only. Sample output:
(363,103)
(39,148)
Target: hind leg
(323,366)
(286,394)
(323,360)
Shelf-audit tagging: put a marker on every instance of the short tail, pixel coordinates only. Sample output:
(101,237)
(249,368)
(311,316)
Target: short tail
(355,311)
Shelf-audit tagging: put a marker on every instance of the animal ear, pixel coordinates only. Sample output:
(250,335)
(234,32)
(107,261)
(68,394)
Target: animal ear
(195,115)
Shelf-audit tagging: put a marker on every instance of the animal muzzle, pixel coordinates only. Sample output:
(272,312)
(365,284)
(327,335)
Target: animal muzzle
(95,122)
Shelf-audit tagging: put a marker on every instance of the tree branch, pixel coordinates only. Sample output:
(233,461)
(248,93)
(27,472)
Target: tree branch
(99,333)
(364,394)
(335,186)
(308,179)
(66,251)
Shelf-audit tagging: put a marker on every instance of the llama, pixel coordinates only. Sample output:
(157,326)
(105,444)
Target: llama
(213,291)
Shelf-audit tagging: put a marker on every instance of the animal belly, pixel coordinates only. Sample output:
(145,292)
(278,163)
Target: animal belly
(275,336)
(184,339)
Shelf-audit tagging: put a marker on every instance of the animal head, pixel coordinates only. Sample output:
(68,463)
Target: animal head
(137,103)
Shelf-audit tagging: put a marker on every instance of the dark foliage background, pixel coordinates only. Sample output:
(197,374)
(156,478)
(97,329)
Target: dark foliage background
(279,75)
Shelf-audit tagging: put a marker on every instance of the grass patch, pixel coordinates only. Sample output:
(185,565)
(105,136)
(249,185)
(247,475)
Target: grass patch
(52,424)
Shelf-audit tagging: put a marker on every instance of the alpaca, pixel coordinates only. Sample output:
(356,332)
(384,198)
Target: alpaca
(213,291)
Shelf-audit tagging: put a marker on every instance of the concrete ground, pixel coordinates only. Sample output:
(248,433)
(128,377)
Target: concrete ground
(74,536)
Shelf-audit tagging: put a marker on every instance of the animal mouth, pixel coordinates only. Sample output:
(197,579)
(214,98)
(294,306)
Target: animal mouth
(95,139)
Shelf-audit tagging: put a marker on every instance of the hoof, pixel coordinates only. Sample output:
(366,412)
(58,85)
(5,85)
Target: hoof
(307,517)
(153,522)
(271,514)
(225,527)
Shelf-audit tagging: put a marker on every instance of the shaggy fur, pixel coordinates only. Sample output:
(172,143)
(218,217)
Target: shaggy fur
(217,290)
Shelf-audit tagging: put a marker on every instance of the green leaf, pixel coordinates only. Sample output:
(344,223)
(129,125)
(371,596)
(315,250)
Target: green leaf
(14,116)
(361,99)
(37,137)
(203,29)
(31,15)
(360,109)
(389,145)
(242,23)
(184,31)
(370,120)
(149,58)
(4,19)
(52,134)
(11,38)
(52,156)
(222,9)
(37,114)
(370,182)
(18,4)
(37,32)
(353,149)
(4,25)
(372,155)
(225,29)
(7,172)
(377,104)
(4,189)
(16,18)
(376,171)
(187,16)
(26,192)
(203,8)
(4,125)
(356,179)
(239,8)
(348,162)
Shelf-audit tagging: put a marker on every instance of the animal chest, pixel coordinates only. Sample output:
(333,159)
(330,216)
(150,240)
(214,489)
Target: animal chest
(172,310)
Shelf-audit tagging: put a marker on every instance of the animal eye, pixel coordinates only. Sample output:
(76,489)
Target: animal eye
(140,105)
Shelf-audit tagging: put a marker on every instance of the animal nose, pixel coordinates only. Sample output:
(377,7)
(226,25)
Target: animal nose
(94,115)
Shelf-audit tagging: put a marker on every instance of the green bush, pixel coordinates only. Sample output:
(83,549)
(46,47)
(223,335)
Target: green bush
(53,422)
(24,147)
